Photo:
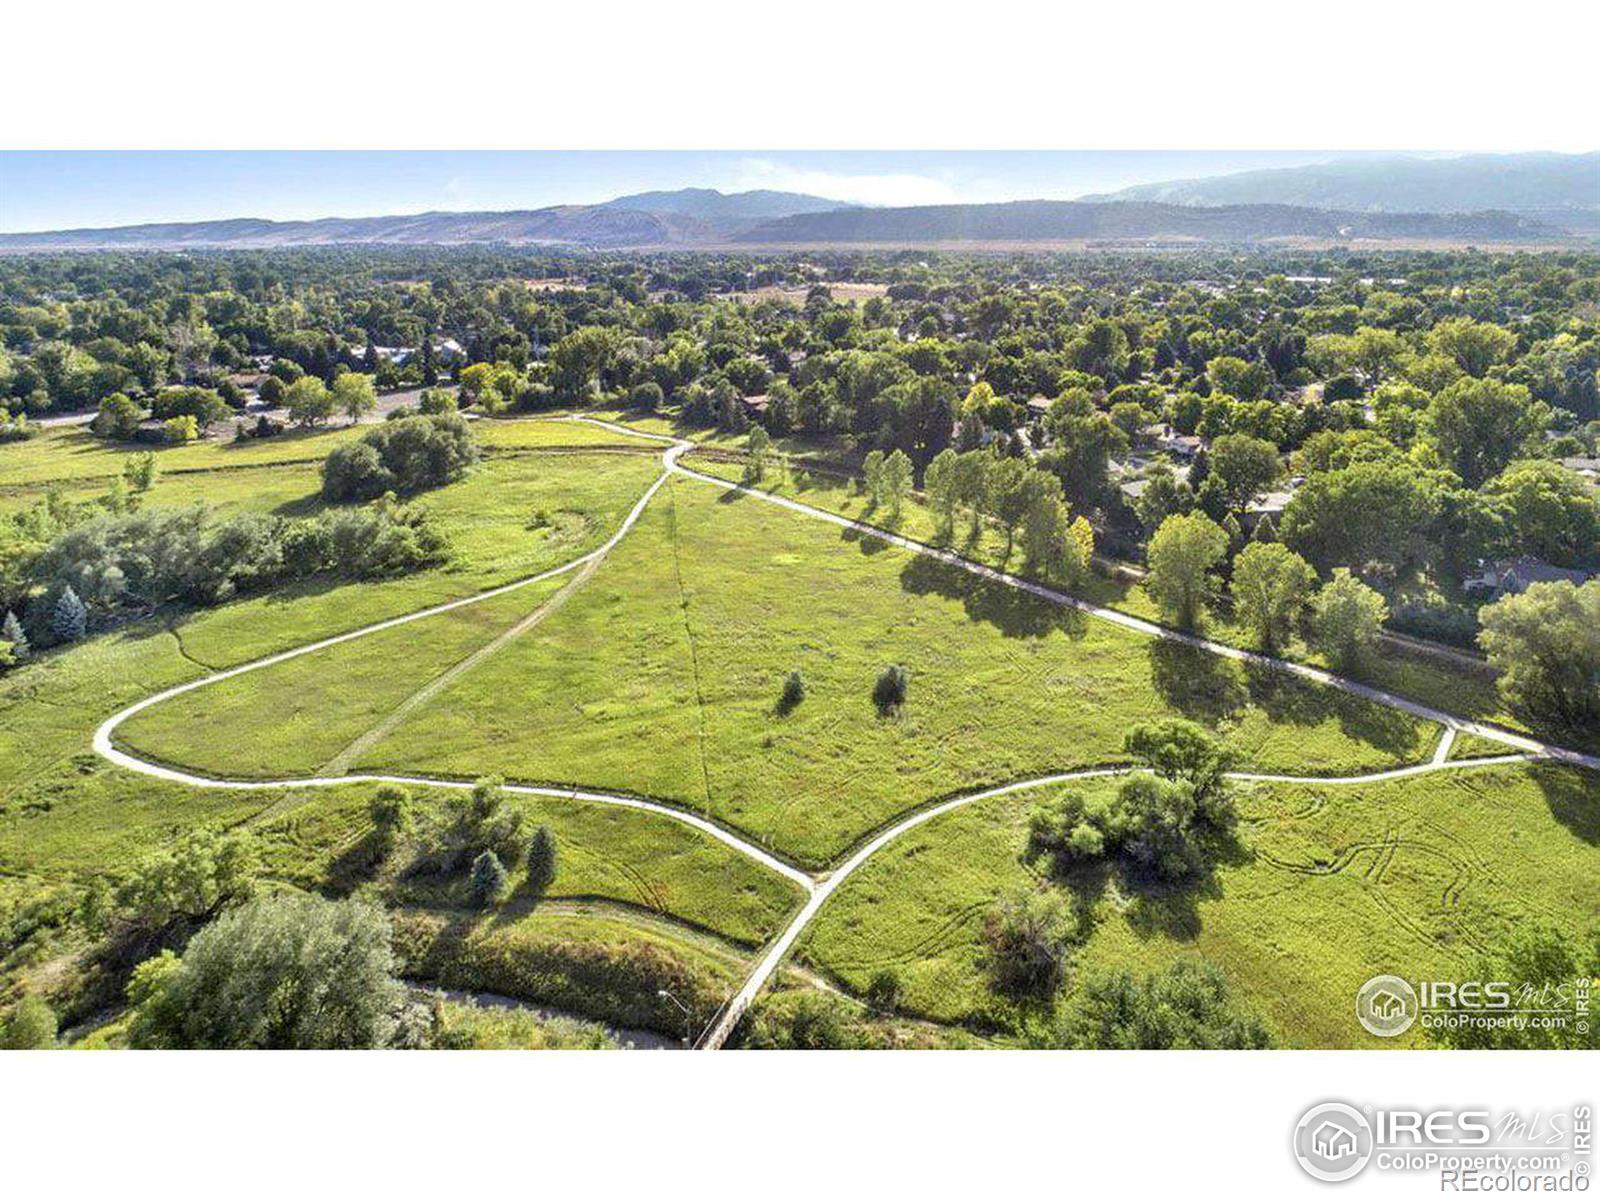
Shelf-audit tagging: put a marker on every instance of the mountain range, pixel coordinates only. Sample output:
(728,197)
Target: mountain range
(1560,189)
(1475,198)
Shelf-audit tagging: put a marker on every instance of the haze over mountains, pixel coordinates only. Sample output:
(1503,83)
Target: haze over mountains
(1561,189)
(1477,198)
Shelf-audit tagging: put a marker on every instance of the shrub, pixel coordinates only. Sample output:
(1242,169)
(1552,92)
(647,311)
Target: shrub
(180,429)
(435,401)
(1168,824)
(407,455)
(1187,1007)
(281,973)
(1029,938)
(542,859)
(118,418)
(794,691)
(889,692)
(31,1026)
(884,991)
(480,821)
(808,1020)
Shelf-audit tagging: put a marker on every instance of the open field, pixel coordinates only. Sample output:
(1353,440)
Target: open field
(1421,676)
(49,707)
(661,678)
(1415,875)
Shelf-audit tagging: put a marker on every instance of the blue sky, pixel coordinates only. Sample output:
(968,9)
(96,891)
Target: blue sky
(63,190)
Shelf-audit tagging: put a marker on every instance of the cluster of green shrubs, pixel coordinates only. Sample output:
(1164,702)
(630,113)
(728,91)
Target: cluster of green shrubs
(405,456)
(1166,824)
(147,558)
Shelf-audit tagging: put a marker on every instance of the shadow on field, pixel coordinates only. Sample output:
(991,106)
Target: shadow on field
(1290,701)
(1573,796)
(1012,611)
(864,542)
(1204,687)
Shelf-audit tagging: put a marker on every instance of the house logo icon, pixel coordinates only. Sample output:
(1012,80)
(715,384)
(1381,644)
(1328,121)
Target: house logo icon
(1386,1006)
(1333,1141)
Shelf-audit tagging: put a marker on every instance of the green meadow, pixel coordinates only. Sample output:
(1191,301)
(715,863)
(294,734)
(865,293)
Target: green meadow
(662,677)
(1331,884)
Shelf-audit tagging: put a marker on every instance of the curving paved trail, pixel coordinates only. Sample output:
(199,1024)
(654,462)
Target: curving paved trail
(818,888)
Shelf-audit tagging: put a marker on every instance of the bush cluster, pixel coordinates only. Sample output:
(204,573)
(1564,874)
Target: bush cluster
(404,456)
(150,557)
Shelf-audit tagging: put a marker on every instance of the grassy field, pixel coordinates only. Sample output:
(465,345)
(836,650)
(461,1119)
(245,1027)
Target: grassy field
(1334,884)
(291,719)
(618,858)
(1399,669)
(65,452)
(50,706)
(662,677)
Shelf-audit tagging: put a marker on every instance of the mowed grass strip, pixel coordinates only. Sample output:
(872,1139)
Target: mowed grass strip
(291,718)
(1334,884)
(663,676)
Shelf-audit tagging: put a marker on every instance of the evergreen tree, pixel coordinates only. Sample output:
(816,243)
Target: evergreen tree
(12,632)
(489,880)
(542,859)
(69,620)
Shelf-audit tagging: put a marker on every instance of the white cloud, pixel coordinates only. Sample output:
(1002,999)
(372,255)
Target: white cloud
(891,190)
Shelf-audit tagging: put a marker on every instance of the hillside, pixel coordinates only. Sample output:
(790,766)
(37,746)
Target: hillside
(723,208)
(1060,220)
(713,219)
(1542,184)
(586,225)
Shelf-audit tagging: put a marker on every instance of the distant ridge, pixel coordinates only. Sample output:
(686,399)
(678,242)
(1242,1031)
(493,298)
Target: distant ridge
(719,208)
(1067,220)
(1561,189)
(698,218)
(646,219)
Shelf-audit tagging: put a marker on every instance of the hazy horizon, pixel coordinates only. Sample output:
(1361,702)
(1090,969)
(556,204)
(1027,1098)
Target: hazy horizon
(49,191)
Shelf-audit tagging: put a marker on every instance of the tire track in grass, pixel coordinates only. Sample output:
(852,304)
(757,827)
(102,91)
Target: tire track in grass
(694,654)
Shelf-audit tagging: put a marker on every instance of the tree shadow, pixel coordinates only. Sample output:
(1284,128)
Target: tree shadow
(1014,612)
(867,543)
(1573,797)
(1203,686)
(1290,701)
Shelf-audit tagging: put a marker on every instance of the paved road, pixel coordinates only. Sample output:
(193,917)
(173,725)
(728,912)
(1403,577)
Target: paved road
(819,888)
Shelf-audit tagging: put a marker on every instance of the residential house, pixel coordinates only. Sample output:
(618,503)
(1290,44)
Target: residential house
(1512,576)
